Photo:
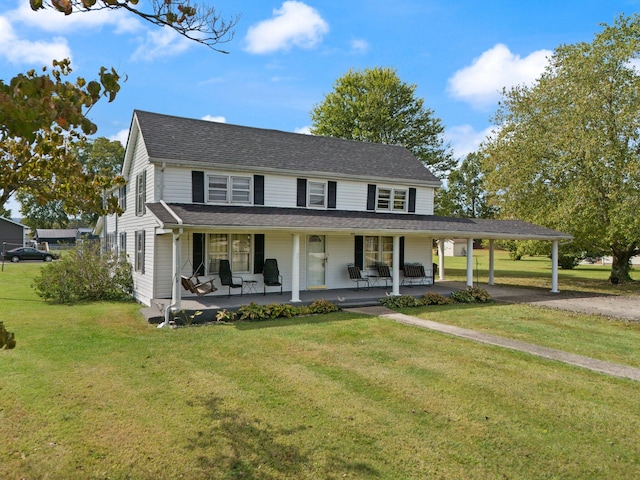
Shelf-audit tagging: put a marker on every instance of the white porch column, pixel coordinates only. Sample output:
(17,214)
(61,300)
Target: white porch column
(395,271)
(176,294)
(469,262)
(295,269)
(491,261)
(441,259)
(554,267)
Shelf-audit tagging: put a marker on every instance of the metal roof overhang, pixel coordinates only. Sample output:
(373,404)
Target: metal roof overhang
(298,220)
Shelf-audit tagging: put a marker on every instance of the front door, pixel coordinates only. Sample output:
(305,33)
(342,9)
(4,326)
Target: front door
(316,260)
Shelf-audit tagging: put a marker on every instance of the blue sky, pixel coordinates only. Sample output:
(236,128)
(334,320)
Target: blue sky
(286,55)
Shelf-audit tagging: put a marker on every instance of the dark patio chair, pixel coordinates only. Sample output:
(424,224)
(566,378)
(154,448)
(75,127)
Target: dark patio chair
(271,274)
(384,273)
(356,275)
(227,279)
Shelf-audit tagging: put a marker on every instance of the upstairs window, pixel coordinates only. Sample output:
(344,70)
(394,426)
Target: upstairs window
(229,189)
(141,192)
(392,199)
(317,194)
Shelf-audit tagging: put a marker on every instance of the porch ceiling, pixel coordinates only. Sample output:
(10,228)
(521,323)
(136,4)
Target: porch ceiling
(226,217)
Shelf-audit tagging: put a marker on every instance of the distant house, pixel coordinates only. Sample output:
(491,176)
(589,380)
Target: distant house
(202,194)
(56,237)
(455,247)
(12,233)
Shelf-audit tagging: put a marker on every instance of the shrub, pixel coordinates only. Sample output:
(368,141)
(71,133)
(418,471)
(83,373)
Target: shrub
(323,306)
(85,273)
(435,299)
(225,315)
(253,311)
(400,301)
(7,339)
(463,296)
(471,295)
(568,262)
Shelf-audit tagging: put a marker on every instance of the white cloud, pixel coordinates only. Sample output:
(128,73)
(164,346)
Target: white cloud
(20,51)
(294,24)
(465,139)
(52,21)
(122,136)
(161,43)
(304,130)
(482,82)
(218,119)
(359,46)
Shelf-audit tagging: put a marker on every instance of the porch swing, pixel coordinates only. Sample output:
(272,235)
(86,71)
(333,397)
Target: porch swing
(193,283)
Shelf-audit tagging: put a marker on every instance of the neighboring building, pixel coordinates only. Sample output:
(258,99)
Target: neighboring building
(12,234)
(56,237)
(199,192)
(455,247)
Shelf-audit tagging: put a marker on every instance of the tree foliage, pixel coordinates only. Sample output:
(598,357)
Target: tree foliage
(566,154)
(196,22)
(465,194)
(374,105)
(42,120)
(99,157)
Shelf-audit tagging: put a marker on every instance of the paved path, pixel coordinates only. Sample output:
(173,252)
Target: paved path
(616,370)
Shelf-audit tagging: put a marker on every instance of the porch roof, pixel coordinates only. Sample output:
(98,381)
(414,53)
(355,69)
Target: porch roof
(217,217)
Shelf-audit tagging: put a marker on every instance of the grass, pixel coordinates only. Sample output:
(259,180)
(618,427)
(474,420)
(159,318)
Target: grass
(536,272)
(92,391)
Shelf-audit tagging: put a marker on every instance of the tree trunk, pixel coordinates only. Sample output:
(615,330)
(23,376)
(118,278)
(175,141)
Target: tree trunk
(620,266)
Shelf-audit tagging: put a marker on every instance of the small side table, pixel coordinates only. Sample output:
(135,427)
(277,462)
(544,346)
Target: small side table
(249,286)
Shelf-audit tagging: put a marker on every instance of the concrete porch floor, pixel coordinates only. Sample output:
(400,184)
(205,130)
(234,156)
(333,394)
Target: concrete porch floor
(344,298)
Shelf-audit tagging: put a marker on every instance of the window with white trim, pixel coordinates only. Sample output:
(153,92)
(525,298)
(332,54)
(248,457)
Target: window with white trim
(392,199)
(139,255)
(122,197)
(141,192)
(235,247)
(123,243)
(317,194)
(378,250)
(228,189)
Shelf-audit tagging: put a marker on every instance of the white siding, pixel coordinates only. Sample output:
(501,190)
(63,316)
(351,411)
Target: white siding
(280,191)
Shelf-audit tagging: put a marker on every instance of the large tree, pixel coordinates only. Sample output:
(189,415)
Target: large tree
(374,105)
(42,117)
(197,22)
(465,194)
(567,151)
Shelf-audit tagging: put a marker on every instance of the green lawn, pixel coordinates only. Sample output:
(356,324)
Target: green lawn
(92,391)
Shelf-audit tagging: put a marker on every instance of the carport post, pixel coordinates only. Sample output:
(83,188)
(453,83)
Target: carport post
(491,261)
(554,267)
(469,262)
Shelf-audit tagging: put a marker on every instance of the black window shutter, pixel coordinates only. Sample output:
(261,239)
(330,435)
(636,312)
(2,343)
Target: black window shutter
(358,252)
(198,253)
(197,187)
(302,192)
(258,252)
(331,201)
(401,253)
(258,189)
(371,197)
(412,200)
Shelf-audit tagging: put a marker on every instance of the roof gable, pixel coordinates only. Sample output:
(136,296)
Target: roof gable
(185,141)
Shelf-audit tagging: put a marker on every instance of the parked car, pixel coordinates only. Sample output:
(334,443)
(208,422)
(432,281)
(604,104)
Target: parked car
(29,253)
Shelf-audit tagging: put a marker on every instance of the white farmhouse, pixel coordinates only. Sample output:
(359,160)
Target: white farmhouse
(199,193)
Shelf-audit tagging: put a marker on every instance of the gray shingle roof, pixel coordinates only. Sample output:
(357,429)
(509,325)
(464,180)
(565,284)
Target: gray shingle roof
(268,218)
(193,142)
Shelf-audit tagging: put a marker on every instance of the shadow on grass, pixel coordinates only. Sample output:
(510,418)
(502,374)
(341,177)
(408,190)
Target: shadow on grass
(230,444)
